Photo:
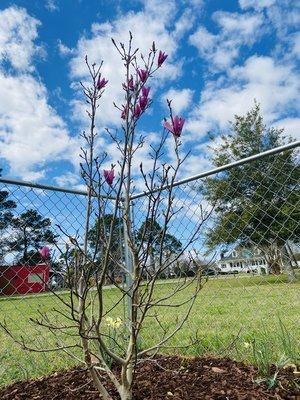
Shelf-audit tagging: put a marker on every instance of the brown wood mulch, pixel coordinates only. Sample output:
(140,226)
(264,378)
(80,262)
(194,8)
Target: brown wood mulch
(165,378)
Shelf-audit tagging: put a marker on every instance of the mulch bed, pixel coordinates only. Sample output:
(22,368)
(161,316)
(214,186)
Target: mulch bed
(165,378)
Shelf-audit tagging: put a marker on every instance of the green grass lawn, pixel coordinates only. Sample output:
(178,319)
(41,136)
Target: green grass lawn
(230,314)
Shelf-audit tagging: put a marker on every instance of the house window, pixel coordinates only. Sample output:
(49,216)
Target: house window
(35,278)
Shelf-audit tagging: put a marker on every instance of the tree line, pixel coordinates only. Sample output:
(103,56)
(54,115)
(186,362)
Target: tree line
(256,204)
(24,233)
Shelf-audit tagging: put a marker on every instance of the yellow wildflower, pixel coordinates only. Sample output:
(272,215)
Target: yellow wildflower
(113,323)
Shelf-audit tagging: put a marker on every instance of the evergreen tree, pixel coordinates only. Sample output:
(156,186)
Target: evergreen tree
(30,232)
(257,204)
(151,234)
(98,239)
(6,207)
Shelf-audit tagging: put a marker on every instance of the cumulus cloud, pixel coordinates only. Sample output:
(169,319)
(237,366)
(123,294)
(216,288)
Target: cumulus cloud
(32,134)
(70,179)
(284,16)
(148,25)
(63,49)
(235,30)
(281,15)
(272,84)
(18,30)
(291,127)
(181,99)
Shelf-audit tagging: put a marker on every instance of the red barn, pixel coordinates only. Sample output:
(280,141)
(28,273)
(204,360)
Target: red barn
(23,279)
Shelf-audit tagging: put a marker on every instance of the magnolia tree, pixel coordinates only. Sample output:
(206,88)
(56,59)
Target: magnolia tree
(113,346)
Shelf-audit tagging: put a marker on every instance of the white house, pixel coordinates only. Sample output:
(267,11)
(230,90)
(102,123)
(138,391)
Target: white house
(250,260)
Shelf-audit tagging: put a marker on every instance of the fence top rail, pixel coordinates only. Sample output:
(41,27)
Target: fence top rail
(41,186)
(214,171)
(33,185)
(276,150)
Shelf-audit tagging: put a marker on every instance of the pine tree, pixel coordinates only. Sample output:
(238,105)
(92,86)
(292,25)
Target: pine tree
(257,204)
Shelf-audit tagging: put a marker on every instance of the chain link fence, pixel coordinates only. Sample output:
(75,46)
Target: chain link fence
(240,225)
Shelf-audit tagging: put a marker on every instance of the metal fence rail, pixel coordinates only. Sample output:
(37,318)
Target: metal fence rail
(244,221)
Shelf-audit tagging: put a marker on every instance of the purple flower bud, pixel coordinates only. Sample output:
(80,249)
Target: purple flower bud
(161,58)
(124,112)
(145,91)
(109,176)
(101,83)
(129,85)
(176,126)
(44,252)
(137,111)
(143,74)
(143,101)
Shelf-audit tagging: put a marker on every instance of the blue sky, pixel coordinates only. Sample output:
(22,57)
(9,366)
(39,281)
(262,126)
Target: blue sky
(222,55)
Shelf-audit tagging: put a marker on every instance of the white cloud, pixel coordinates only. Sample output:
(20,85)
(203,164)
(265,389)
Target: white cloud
(257,4)
(291,127)
(272,84)
(52,5)
(161,27)
(296,45)
(280,14)
(181,99)
(283,16)
(160,10)
(63,49)
(70,179)
(244,25)
(18,30)
(195,3)
(236,30)
(184,23)
(196,163)
(32,134)
(151,24)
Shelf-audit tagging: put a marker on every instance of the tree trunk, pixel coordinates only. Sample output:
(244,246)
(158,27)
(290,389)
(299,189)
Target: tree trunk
(273,257)
(152,263)
(288,266)
(274,267)
(125,393)
(126,382)
(25,246)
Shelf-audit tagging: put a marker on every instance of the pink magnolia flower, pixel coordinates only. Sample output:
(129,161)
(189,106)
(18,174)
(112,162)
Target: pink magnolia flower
(137,111)
(101,83)
(109,176)
(143,101)
(44,252)
(176,126)
(124,112)
(129,85)
(161,58)
(143,74)
(145,91)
